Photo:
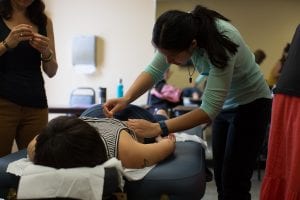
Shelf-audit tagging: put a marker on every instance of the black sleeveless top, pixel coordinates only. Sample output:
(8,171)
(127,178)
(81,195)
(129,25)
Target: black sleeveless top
(21,79)
(289,80)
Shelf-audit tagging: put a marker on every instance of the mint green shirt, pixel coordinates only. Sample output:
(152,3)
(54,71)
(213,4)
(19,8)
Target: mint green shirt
(240,82)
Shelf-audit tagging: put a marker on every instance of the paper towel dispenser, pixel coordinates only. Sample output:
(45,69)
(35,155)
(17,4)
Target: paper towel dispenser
(84,53)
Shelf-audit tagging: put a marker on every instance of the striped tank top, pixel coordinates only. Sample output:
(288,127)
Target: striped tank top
(109,130)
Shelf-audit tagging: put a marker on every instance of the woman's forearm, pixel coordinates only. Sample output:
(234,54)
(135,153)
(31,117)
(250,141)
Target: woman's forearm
(49,62)
(50,67)
(142,84)
(188,120)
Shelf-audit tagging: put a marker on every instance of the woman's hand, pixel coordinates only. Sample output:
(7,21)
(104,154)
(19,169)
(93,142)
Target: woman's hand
(114,105)
(144,128)
(171,137)
(21,32)
(41,43)
(169,140)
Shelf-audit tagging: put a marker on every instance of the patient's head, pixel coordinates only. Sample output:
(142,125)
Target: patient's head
(69,142)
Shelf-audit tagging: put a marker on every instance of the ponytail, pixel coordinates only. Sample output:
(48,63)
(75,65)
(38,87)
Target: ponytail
(209,38)
(175,30)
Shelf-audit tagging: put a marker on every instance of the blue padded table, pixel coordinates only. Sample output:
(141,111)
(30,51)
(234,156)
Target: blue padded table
(180,177)
(7,180)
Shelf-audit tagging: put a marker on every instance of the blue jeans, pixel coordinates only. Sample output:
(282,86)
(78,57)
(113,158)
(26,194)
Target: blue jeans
(237,138)
(130,112)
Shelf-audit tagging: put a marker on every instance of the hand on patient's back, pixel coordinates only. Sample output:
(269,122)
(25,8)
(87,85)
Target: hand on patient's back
(107,112)
(114,105)
(142,128)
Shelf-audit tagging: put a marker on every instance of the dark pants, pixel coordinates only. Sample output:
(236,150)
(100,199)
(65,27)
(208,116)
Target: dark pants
(19,123)
(237,138)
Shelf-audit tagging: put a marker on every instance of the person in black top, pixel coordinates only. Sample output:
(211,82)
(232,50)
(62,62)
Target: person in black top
(26,44)
(282,175)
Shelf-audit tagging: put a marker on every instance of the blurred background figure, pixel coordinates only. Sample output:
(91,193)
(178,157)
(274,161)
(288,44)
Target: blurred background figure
(260,56)
(276,70)
(164,96)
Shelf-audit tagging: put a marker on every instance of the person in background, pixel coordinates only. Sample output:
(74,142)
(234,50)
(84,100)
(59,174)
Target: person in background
(282,175)
(236,97)
(26,45)
(191,95)
(163,96)
(277,68)
(260,56)
(200,82)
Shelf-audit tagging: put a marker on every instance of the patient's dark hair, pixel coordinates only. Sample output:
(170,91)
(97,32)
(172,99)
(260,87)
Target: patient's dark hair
(69,142)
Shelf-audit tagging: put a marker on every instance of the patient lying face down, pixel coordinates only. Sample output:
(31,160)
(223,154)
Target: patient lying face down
(68,142)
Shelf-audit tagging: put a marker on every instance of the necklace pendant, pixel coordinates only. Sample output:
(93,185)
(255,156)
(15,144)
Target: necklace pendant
(191,74)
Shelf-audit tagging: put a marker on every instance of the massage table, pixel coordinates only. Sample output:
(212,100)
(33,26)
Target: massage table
(180,177)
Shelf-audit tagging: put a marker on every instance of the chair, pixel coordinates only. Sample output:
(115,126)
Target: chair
(82,97)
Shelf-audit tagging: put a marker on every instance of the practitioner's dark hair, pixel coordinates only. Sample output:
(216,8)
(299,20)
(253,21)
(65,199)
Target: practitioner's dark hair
(69,142)
(175,30)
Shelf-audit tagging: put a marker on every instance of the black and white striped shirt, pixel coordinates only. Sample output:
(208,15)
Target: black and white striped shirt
(109,130)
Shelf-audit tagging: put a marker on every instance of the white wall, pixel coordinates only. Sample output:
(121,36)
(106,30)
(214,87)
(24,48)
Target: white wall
(123,28)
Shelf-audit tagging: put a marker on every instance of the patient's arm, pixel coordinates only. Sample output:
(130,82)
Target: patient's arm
(31,149)
(137,155)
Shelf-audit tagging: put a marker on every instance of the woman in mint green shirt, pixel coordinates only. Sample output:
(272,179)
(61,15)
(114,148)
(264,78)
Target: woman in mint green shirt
(236,97)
